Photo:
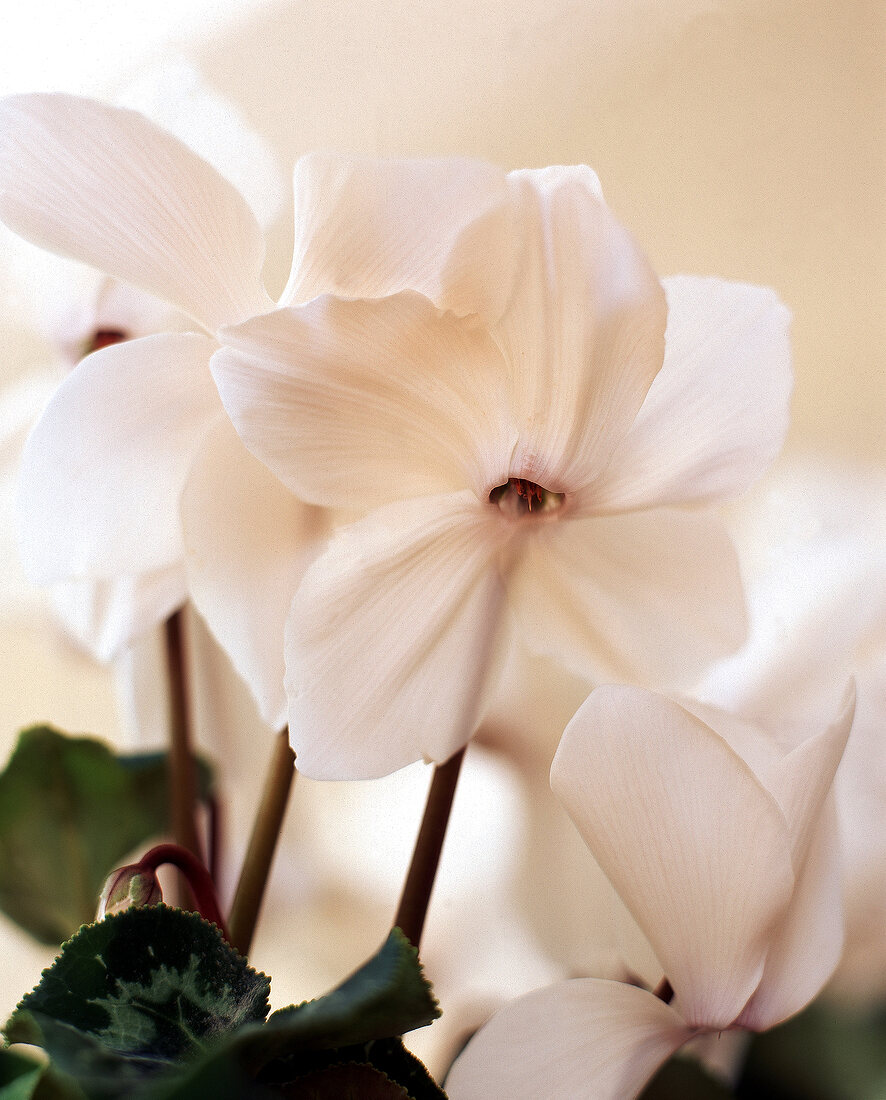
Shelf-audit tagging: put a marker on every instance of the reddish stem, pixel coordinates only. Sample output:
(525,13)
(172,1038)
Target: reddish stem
(256,868)
(416,896)
(198,879)
(182,773)
(214,836)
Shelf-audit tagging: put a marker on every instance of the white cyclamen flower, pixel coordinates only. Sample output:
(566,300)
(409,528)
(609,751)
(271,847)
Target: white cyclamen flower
(509,372)
(813,547)
(530,445)
(723,847)
(133,483)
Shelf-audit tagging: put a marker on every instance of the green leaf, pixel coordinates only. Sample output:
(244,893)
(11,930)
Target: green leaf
(70,812)
(382,1068)
(133,996)
(387,996)
(19,1076)
(386,1056)
(347,1081)
(152,1002)
(356,1022)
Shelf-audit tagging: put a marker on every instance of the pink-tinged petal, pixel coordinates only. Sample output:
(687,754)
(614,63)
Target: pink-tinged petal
(650,598)
(104,466)
(107,187)
(358,403)
(585,1039)
(807,946)
(759,749)
(698,850)
(801,780)
(717,413)
(583,334)
(368,228)
(107,615)
(391,638)
(247,542)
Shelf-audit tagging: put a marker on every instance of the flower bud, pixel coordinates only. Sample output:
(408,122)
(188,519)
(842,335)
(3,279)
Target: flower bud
(128,886)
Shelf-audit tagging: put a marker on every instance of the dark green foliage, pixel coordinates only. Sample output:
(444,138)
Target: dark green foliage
(153,1003)
(70,812)
(136,994)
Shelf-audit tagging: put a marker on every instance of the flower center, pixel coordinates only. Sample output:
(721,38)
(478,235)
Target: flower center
(519,497)
(103,338)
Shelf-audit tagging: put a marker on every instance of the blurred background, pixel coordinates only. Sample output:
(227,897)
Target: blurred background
(744,139)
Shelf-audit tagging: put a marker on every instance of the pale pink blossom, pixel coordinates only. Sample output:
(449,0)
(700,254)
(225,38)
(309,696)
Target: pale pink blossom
(813,548)
(529,446)
(474,360)
(134,489)
(723,847)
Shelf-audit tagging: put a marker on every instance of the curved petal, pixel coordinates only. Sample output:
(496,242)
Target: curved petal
(698,850)
(585,1039)
(801,780)
(717,413)
(107,187)
(756,746)
(104,466)
(358,403)
(390,639)
(247,542)
(175,95)
(368,228)
(807,946)
(651,598)
(583,334)
(105,616)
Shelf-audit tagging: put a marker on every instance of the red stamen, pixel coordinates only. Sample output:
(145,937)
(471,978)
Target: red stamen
(523,494)
(104,338)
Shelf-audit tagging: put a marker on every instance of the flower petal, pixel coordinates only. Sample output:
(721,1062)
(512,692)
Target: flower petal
(367,228)
(583,334)
(357,403)
(717,413)
(107,615)
(103,468)
(576,1040)
(807,946)
(175,95)
(801,780)
(756,746)
(698,850)
(650,598)
(247,543)
(390,639)
(107,187)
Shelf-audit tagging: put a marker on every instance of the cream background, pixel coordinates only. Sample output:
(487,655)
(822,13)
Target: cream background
(743,139)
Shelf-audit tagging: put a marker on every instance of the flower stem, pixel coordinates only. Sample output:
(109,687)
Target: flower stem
(196,876)
(419,883)
(262,844)
(182,778)
(214,836)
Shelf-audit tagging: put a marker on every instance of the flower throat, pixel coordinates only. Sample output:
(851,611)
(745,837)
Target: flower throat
(519,497)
